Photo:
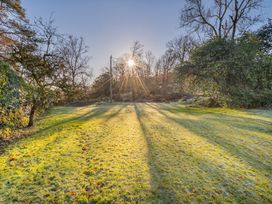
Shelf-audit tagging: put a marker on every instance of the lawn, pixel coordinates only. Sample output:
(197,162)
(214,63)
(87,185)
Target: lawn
(141,153)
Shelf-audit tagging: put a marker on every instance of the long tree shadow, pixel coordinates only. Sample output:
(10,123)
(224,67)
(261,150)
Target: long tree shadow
(159,191)
(99,111)
(103,112)
(208,129)
(169,162)
(263,116)
(265,113)
(248,124)
(95,112)
(115,113)
(261,124)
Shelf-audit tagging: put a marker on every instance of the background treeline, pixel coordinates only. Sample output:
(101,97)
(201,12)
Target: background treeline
(224,60)
(149,78)
(39,67)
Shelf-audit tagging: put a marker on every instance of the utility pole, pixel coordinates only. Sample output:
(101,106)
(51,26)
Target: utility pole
(111,79)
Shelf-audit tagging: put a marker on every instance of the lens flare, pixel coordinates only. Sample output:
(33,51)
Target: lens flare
(131,63)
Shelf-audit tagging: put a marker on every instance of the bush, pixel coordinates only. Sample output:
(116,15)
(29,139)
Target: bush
(230,72)
(10,121)
(12,115)
(252,98)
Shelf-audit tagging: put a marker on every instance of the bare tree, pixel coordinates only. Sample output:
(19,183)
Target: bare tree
(181,47)
(149,62)
(227,18)
(163,68)
(137,50)
(73,51)
(158,73)
(137,54)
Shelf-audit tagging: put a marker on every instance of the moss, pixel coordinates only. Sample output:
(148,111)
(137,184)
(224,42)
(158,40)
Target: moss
(145,153)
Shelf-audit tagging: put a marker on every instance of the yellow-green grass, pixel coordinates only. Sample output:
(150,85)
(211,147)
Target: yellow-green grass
(141,153)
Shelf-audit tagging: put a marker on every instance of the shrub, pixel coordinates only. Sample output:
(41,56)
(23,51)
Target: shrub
(230,72)
(12,115)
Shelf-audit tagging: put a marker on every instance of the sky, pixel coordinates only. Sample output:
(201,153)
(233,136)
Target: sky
(110,27)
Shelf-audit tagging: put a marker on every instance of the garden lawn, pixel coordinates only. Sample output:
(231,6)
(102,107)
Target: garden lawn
(142,152)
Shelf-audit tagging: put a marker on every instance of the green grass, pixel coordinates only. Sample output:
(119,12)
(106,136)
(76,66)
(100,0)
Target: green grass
(141,153)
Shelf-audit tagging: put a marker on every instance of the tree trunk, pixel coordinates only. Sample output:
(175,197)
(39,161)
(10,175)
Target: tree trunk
(233,31)
(31,116)
(235,19)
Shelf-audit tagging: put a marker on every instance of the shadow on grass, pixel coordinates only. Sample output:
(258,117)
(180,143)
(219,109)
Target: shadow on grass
(178,174)
(95,112)
(208,128)
(61,110)
(99,111)
(115,113)
(160,193)
(264,115)
(221,115)
(248,124)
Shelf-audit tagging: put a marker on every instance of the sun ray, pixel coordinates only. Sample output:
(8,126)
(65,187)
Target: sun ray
(122,84)
(142,84)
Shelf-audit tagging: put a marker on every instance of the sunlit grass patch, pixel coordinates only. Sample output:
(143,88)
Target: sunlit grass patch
(145,153)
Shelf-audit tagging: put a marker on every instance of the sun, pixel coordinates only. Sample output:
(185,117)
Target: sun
(131,63)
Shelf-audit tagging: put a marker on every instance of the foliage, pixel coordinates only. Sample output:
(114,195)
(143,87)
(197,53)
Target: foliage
(11,123)
(11,17)
(47,62)
(232,72)
(100,87)
(51,65)
(265,34)
(12,115)
(9,87)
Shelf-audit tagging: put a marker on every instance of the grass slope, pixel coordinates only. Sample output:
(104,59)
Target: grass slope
(145,153)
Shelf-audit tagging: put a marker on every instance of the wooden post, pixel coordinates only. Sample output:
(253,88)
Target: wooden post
(111,79)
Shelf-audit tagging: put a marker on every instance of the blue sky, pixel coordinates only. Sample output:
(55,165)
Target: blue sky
(111,26)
